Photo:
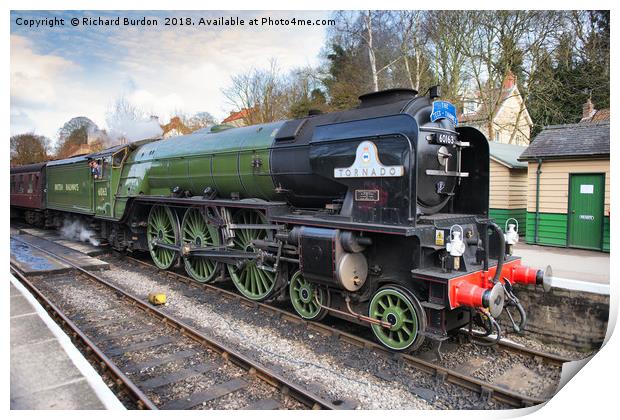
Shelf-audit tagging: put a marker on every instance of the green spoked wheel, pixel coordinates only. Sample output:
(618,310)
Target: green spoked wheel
(403,311)
(163,228)
(252,281)
(302,294)
(196,231)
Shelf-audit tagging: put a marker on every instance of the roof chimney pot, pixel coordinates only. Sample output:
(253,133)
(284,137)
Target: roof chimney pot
(588,110)
(510,80)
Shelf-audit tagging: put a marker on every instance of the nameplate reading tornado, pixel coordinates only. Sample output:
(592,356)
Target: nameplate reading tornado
(368,165)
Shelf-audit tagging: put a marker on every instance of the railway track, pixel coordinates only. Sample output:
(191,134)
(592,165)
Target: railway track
(442,374)
(157,360)
(485,389)
(504,344)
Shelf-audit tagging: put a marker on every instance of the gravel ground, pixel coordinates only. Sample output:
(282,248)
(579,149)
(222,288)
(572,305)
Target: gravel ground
(335,369)
(529,341)
(88,304)
(535,344)
(359,377)
(492,364)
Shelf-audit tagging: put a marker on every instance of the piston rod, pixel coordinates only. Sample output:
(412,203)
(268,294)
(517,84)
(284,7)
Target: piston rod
(352,313)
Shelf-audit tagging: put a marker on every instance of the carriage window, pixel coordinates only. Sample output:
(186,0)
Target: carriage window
(118,158)
(30,183)
(13,183)
(20,186)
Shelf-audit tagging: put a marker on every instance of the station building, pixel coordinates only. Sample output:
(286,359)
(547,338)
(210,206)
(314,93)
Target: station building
(508,185)
(568,184)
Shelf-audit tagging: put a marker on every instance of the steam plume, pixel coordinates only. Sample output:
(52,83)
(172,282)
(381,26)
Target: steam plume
(75,229)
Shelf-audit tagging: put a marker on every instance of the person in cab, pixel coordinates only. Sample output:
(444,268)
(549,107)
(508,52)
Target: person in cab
(95,169)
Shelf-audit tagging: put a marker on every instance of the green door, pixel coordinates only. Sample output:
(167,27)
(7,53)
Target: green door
(585,213)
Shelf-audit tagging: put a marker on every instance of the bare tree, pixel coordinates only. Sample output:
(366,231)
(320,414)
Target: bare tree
(73,124)
(259,94)
(72,135)
(558,58)
(537,43)
(448,32)
(123,109)
(507,42)
(200,120)
(127,122)
(362,28)
(29,148)
(367,36)
(408,30)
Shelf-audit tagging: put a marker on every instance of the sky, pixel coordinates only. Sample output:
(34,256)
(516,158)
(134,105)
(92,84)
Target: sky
(62,72)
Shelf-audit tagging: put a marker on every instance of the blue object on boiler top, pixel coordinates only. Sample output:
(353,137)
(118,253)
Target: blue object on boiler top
(444,109)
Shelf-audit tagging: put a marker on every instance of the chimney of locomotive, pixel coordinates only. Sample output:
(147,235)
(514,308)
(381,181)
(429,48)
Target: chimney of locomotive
(387,96)
(434,92)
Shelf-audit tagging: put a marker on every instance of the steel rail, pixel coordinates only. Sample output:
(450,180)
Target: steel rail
(141,399)
(509,346)
(496,392)
(554,359)
(254,368)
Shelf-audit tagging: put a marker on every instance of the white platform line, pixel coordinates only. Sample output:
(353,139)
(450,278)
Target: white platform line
(580,285)
(105,395)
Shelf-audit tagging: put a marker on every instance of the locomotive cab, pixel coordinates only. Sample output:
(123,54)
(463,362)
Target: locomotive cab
(106,184)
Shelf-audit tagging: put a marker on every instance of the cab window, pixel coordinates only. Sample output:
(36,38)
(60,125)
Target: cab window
(105,167)
(118,158)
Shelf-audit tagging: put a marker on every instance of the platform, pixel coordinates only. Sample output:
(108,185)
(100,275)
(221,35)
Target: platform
(47,371)
(53,235)
(567,263)
(31,260)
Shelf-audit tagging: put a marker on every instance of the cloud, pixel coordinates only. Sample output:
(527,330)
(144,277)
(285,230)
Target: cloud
(47,90)
(33,75)
(188,68)
(19,118)
(59,75)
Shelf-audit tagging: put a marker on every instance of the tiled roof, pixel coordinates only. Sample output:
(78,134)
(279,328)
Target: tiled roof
(507,154)
(175,124)
(234,116)
(570,140)
(600,115)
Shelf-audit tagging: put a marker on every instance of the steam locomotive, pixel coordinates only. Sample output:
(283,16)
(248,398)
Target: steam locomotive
(378,214)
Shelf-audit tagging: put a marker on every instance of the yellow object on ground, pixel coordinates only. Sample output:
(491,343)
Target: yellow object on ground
(157,298)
